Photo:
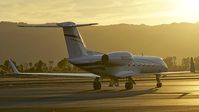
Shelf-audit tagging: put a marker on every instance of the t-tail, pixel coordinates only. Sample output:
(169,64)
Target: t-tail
(74,41)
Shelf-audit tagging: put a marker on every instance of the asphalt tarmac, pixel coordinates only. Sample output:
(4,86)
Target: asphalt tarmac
(180,93)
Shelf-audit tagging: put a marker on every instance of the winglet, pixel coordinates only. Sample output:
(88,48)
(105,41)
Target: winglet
(14,68)
(192,66)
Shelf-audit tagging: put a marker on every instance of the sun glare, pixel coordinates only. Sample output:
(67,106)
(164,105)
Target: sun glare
(189,9)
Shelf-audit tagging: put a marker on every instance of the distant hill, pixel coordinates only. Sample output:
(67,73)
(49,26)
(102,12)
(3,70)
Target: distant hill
(32,44)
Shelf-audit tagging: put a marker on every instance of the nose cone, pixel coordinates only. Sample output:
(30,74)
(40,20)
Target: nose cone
(165,67)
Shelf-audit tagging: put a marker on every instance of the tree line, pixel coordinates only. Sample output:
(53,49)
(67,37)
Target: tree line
(41,66)
(184,64)
(64,65)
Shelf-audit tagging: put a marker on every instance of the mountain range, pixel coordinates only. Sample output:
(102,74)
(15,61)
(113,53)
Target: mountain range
(32,44)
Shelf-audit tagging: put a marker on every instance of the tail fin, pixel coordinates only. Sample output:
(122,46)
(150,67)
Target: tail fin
(14,68)
(192,66)
(74,41)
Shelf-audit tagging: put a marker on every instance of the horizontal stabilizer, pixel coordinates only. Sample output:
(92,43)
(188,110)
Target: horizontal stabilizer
(35,25)
(71,24)
(64,24)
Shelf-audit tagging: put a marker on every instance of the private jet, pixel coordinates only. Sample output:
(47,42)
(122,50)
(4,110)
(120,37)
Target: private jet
(114,65)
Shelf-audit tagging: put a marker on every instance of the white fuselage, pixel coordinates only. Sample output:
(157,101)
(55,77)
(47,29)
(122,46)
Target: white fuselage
(120,64)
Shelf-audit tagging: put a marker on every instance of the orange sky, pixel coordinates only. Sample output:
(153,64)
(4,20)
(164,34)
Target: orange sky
(149,12)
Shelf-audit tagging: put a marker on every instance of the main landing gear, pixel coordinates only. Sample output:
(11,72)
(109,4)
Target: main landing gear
(129,83)
(159,83)
(97,84)
(114,82)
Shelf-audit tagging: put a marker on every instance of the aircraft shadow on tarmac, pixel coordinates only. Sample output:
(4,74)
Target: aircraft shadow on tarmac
(186,94)
(100,94)
(108,94)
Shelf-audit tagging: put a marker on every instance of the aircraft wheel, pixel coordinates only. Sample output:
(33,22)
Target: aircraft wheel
(97,85)
(128,85)
(159,85)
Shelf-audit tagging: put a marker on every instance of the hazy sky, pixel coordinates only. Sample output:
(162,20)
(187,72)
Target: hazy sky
(102,11)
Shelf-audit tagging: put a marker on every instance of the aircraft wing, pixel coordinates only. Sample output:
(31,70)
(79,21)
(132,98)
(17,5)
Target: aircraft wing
(178,72)
(63,74)
(123,74)
(15,70)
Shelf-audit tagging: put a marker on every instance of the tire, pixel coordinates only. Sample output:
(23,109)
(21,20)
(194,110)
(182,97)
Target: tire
(159,85)
(96,85)
(128,85)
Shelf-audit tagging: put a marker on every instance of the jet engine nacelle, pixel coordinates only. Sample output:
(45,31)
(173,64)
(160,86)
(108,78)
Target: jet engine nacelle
(105,59)
(116,58)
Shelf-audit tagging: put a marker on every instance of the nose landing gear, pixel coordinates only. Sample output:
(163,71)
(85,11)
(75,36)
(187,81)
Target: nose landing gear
(159,83)
(129,83)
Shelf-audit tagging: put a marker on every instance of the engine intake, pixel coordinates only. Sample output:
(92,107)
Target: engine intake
(105,59)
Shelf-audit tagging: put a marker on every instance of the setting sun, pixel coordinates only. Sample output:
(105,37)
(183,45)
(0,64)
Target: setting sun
(188,9)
